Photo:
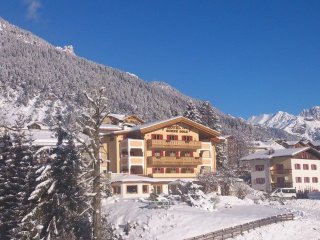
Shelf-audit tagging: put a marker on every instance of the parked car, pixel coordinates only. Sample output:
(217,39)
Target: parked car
(284,193)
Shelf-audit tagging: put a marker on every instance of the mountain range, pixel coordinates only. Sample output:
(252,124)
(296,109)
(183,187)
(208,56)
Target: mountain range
(305,125)
(37,78)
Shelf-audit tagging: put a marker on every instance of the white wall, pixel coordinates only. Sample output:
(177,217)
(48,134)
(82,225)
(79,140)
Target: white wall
(305,173)
(260,174)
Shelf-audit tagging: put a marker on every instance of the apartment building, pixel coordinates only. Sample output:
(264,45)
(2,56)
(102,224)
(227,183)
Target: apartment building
(294,167)
(176,148)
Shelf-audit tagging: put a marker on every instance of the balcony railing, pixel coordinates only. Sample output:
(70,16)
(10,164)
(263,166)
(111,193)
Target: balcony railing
(173,144)
(173,161)
(282,185)
(281,171)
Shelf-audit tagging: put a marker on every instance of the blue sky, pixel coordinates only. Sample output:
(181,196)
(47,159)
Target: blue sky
(246,57)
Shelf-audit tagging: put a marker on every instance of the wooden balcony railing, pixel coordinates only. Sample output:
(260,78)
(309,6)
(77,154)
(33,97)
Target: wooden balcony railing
(281,171)
(173,161)
(281,185)
(173,144)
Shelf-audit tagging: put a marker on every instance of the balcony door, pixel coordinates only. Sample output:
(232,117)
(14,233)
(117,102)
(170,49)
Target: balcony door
(280,181)
(280,168)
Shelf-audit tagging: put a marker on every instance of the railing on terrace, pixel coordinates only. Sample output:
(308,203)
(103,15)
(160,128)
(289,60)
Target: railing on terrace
(281,171)
(173,161)
(173,144)
(281,185)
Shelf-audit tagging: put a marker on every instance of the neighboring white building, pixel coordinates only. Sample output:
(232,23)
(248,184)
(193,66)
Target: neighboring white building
(294,167)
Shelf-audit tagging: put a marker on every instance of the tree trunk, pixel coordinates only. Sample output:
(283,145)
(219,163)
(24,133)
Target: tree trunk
(97,199)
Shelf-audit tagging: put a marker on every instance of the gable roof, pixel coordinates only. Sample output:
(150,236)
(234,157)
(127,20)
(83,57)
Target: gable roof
(288,152)
(149,127)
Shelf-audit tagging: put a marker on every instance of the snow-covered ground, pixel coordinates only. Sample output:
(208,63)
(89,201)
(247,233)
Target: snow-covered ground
(305,227)
(182,221)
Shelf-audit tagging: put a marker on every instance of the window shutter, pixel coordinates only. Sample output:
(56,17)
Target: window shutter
(190,138)
(161,153)
(153,136)
(168,137)
(161,136)
(175,137)
(177,170)
(153,153)
(153,170)
(192,170)
(162,170)
(183,138)
(191,154)
(177,153)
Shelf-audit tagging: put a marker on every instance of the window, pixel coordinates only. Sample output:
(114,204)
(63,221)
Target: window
(305,167)
(145,188)
(132,189)
(298,180)
(297,166)
(105,171)
(116,190)
(306,179)
(172,170)
(313,167)
(172,137)
(157,189)
(157,170)
(157,136)
(260,180)
(187,138)
(187,170)
(186,154)
(259,167)
(171,153)
(157,153)
(315,180)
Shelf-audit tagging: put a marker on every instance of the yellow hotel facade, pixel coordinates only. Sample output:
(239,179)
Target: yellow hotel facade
(176,148)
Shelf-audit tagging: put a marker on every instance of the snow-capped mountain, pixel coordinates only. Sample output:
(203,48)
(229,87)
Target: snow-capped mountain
(305,125)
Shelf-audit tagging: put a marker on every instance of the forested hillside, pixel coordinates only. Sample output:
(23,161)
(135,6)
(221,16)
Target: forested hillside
(37,77)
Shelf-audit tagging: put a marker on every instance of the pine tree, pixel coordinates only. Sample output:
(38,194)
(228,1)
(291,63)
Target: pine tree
(192,112)
(209,117)
(60,198)
(15,170)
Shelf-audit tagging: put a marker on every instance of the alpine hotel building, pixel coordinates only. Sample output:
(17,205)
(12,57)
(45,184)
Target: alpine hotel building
(158,153)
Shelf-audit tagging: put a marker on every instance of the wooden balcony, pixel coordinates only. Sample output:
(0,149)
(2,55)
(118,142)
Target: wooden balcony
(282,185)
(281,171)
(173,144)
(173,161)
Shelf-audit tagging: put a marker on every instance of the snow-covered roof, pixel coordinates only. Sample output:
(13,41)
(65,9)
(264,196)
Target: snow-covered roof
(151,124)
(120,117)
(291,143)
(123,177)
(147,126)
(41,137)
(43,126)
(267,144)
(316,143)
(110,127)
(130,178)
(269,154)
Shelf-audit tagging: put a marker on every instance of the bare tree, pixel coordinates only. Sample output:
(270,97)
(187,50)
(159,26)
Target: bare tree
(89,123)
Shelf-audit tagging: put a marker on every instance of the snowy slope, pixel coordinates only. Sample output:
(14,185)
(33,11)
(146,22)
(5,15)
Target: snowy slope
(305,125)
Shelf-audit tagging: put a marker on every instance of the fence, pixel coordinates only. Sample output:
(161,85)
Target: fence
(237,230)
